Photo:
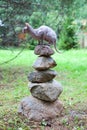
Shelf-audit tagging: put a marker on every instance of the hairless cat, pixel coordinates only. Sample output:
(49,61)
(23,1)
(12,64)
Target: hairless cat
(42,33)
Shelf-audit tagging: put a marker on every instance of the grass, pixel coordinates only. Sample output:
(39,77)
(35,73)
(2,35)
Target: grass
(72,66)
(72,74)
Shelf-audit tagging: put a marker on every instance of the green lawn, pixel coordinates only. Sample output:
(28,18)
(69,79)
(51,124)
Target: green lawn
(72,74)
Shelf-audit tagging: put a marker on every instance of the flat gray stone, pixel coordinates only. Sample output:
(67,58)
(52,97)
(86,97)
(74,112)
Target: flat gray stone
(49,91)
(43,50)
(44,63)
(37,110)
(41,76)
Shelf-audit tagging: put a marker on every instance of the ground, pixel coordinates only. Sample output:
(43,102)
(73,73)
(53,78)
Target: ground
(72,73)
(70,119)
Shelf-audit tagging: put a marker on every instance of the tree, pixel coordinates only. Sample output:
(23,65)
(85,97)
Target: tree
(70,10)
(14,13)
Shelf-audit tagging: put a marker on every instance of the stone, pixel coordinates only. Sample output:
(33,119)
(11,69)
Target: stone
(37,110)
(43,50)
(41,76)
(44,63)
(49,91)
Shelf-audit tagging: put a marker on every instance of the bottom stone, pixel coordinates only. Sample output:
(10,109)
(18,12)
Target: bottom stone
(37,110)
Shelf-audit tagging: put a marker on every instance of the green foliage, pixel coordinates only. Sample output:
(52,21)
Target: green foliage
(37,12)
(30,45)
(36,19)
(68,37)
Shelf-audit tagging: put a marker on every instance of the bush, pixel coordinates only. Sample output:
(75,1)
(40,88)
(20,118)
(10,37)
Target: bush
(68,38)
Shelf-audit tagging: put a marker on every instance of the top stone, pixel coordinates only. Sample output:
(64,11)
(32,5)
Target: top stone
(43,50)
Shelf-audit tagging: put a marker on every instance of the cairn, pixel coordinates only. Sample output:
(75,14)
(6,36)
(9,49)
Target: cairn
(43,102)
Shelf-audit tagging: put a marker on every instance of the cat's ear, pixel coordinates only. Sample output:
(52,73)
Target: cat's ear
(26,24)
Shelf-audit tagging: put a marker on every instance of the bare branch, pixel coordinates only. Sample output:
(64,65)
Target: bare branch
(13,57)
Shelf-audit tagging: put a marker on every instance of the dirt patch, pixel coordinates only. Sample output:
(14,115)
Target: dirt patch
(68,120)
(73,120)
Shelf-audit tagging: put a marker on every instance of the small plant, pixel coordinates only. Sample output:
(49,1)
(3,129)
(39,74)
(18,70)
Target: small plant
(65,121)
(43,123)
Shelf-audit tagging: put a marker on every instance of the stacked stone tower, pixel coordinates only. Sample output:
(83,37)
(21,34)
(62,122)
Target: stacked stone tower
(43,102)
